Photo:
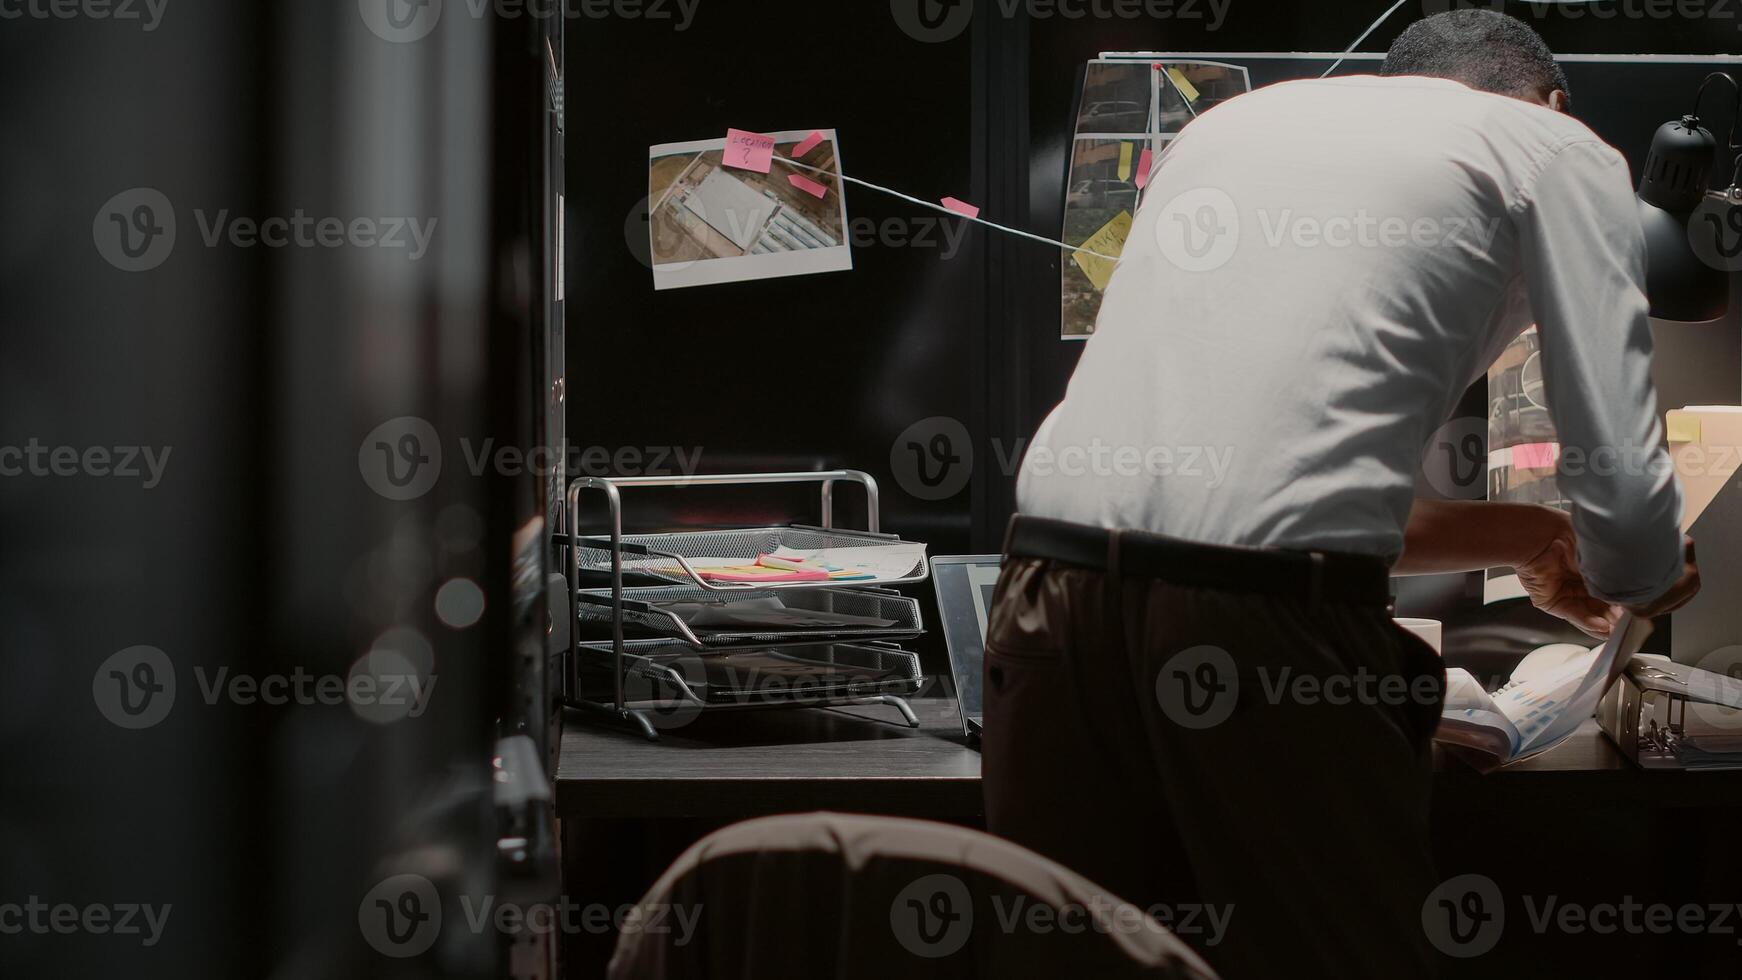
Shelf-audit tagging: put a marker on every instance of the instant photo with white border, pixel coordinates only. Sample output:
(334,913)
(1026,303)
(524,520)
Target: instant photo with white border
(766,227)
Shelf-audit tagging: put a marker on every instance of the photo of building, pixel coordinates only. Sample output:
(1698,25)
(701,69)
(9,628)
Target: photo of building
(701,210)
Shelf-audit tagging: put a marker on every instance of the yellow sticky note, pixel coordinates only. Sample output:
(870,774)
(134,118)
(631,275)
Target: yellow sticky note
(1684,427)
(1186,88)
(1124,161)
(1110,240)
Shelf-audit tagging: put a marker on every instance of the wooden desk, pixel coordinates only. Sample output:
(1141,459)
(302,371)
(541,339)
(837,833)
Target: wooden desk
(744,764)
(749,763)
(630,806)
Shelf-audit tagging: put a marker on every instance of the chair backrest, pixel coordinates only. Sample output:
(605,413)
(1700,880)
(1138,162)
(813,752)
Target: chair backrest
(834,895)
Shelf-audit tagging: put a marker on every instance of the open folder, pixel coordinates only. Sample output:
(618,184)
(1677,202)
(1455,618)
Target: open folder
(1549,696)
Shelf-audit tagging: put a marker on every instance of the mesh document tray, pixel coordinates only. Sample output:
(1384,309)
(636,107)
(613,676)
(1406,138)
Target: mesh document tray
(679,558)
(710,620)
(786,675)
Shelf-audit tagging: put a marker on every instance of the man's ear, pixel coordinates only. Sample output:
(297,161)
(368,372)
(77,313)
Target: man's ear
(1560,101)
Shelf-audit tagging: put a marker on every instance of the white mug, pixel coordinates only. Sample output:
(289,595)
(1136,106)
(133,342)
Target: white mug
(1428,629)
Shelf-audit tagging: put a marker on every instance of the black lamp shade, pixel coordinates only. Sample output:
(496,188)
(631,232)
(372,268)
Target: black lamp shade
(1683,281)
(1681,285)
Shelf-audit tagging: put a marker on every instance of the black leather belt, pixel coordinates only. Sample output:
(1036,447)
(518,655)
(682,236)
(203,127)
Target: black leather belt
(1317,576)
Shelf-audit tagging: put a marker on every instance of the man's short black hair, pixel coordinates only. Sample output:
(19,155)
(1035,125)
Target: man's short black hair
(1486,50)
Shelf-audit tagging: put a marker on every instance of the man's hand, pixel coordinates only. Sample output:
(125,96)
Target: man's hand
(1678,595)
(1535,541)
(1552,579)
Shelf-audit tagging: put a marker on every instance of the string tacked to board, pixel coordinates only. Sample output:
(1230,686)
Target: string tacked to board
(1364,35)
(939,207)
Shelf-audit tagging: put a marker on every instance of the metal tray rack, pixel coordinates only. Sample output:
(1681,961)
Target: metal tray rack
(663,670)
(676,682)
(660,611)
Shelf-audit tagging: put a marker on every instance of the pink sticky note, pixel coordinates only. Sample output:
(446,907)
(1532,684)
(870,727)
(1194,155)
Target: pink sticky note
(810,143)
(807,185)
(1535,455)
(749,151)
(1144,161)
(961,207)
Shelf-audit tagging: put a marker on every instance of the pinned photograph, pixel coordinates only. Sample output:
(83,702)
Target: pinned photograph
(747,206)
(1130,108)
(1098,207)
(1523,445)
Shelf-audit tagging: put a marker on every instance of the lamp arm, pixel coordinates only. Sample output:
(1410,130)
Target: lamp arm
(1735,112)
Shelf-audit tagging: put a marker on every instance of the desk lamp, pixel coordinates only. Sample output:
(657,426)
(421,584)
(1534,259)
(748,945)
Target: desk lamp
(1693,235)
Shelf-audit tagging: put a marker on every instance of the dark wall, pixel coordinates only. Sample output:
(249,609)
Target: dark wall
(865,352)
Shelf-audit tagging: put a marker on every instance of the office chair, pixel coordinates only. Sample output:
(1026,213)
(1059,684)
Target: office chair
(844,896)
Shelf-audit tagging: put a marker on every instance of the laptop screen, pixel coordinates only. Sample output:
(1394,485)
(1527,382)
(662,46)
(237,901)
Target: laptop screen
(964,588)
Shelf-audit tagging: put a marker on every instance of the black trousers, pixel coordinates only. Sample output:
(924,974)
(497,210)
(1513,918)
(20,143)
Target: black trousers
(1253,767)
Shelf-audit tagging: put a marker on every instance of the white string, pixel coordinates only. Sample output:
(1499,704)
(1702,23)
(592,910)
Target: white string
(1370,29)
(939,207)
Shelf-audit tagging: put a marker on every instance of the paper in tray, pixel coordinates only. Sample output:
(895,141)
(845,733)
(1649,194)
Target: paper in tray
(735,559)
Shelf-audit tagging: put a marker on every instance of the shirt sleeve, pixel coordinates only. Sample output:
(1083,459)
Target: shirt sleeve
(1583,253)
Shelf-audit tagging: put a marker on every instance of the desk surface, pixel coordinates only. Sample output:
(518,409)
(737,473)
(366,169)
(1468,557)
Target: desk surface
(862,759)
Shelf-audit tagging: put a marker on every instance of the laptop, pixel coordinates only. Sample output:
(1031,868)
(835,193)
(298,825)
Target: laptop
(964,585)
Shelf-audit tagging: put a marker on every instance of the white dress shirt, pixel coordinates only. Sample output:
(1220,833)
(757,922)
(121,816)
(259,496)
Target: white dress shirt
(1316,273)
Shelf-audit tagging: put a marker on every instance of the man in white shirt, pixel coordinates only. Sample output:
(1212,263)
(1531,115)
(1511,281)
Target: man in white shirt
(1317,272)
